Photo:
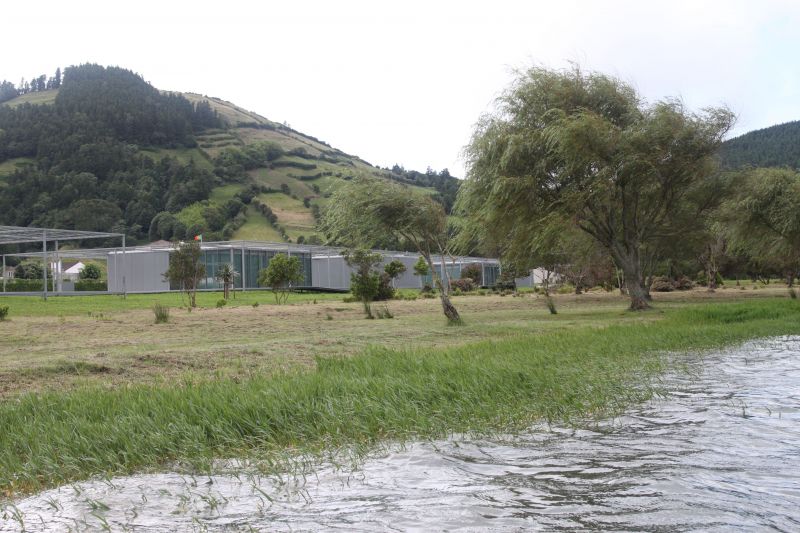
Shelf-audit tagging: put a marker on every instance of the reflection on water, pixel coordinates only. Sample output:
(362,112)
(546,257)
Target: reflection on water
(720,451)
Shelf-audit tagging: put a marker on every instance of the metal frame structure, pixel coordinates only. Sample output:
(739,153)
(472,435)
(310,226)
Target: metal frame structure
(22,235)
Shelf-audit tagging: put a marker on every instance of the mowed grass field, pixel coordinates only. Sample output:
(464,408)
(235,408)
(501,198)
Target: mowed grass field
(67,342)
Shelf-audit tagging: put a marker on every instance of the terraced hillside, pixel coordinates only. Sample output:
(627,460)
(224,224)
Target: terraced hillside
(285,192)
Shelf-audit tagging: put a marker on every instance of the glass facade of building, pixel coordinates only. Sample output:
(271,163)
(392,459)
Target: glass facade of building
(253,260)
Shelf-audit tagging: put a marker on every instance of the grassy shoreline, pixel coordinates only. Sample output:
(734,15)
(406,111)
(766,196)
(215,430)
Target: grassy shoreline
(59,437)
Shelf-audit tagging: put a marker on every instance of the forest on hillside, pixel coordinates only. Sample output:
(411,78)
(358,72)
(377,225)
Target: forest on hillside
(776,146)
(103,156)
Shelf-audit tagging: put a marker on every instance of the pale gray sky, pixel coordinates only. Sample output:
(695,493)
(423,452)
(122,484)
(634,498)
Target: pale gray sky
(404,83)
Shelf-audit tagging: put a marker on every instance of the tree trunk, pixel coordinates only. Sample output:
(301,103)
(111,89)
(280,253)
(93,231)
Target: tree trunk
(447,306)
(711,274)
(638,292)
(639,296)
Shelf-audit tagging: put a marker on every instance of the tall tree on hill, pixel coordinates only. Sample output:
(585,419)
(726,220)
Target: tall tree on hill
(569,148)
(368,210)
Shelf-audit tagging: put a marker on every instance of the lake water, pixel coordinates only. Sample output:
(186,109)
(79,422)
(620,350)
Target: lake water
(720,451)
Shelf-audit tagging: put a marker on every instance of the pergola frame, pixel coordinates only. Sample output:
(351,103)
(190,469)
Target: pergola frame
(21,235)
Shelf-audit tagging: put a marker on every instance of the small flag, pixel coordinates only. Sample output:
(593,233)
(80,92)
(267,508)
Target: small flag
(198,238)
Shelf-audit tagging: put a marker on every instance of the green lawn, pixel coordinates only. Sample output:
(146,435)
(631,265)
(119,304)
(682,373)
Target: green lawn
(109,303)
(257,228)
(223,193)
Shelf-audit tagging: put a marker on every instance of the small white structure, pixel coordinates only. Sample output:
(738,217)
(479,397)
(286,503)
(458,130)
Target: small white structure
(73,272)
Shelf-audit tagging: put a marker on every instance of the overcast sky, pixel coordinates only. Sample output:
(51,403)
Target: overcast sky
(404,83)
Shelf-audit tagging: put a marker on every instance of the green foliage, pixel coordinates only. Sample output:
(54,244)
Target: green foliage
(394,269)
(572,150)
(29,270)
(161,313)
(365,282)
(221,303)
(90,172)
(421,267)
(762,218)
(185,269)
(776,146)
(27,285)
(4,309)
(90,271)
(281,273)
(91,285)
(227,275)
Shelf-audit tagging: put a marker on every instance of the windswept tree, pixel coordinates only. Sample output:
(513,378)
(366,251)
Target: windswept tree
(367,210)
(763,218)
(573,149)
(281,274)
(185,269)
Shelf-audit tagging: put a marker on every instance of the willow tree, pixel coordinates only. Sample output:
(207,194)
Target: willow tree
(574,149)
(367,210)
(763,220)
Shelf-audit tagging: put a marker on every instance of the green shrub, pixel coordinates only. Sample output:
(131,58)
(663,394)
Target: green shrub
(3,312)
(255,304)
(161,313)
(551,305)
(90,271)
(221,303)
(27,285)
(91,285)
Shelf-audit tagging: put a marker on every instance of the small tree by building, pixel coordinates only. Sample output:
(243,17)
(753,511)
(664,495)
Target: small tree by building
(281,273)
(90,271)
(365,281)
(227,276)
(185,269)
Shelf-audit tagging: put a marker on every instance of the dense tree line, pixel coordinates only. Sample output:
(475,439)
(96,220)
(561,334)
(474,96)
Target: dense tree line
(36,84)
(445,184)
(103,186)
(776,146)
(89,172)
(95,103)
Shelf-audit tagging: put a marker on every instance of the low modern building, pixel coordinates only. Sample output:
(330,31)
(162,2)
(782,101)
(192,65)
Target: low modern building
(142,268)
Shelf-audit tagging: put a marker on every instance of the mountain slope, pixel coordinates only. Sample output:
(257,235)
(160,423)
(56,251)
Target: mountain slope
(776,146)
(167,165)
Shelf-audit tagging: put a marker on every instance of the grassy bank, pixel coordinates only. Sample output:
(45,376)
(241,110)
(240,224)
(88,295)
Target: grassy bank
(52,438)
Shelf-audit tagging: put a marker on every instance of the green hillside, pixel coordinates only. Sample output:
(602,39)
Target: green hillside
(776,146)
(252,178)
